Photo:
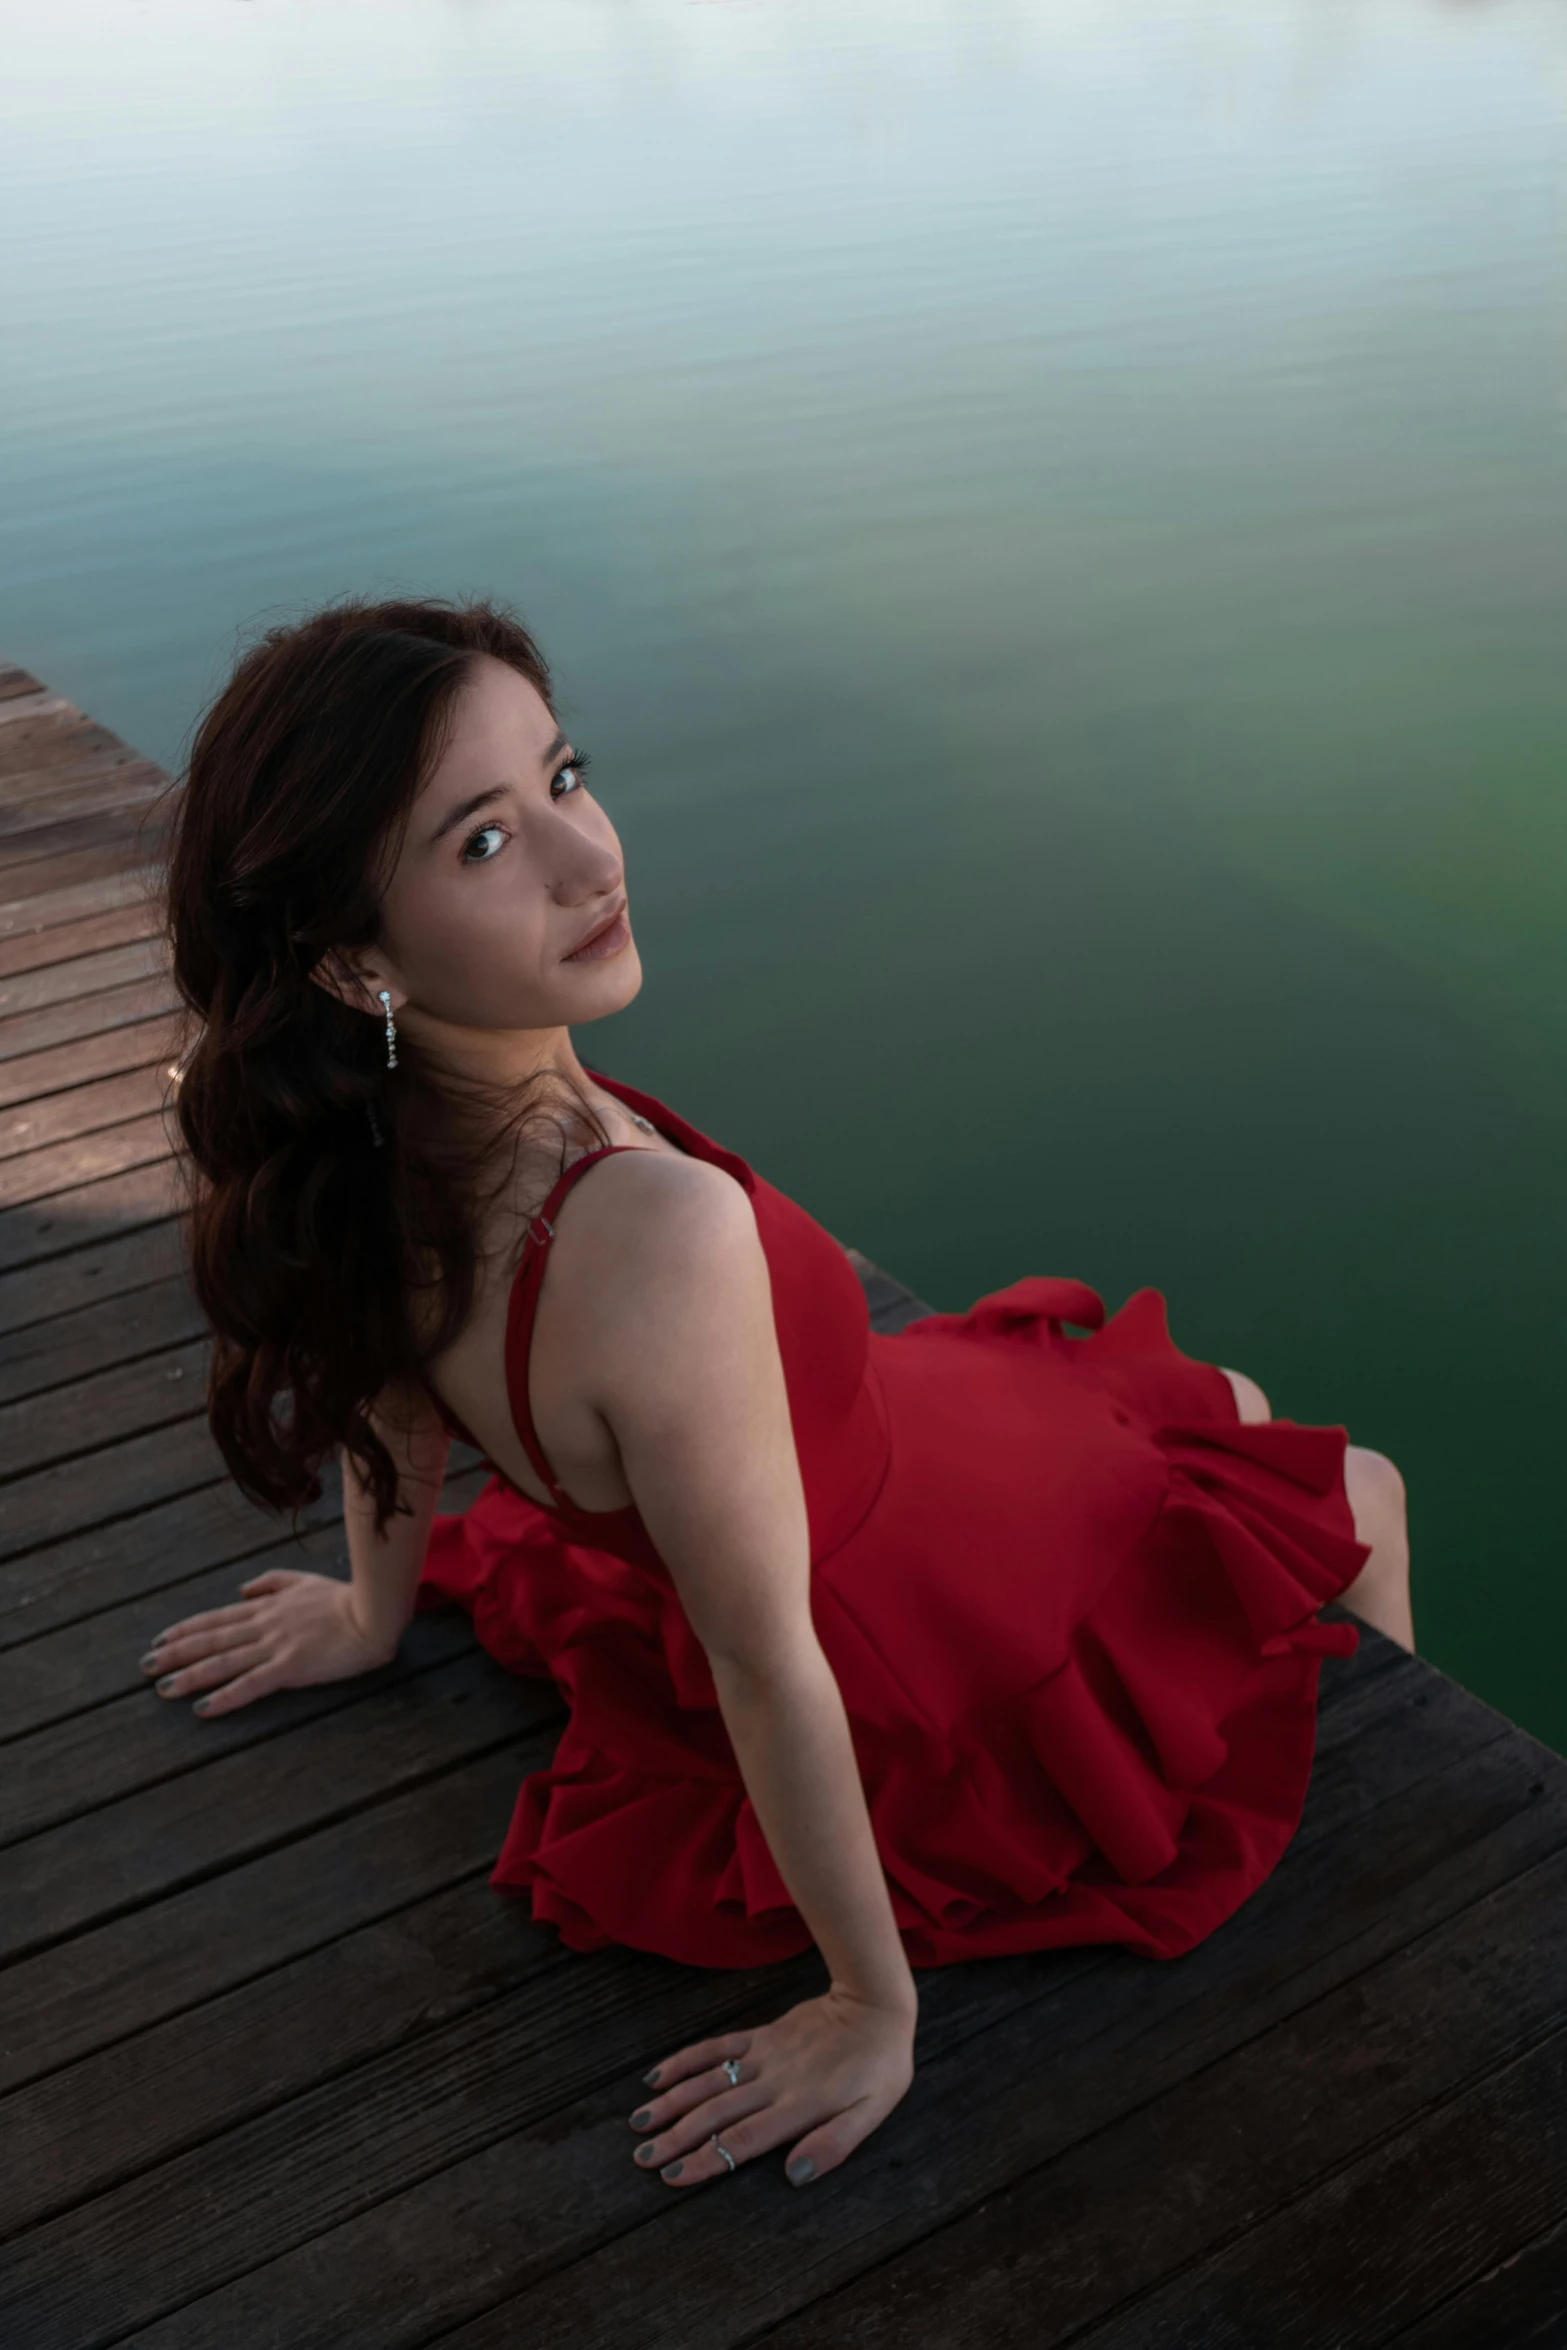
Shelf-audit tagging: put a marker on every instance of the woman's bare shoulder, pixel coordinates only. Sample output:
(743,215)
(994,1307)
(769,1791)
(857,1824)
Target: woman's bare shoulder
(642,1203)
(651,1235)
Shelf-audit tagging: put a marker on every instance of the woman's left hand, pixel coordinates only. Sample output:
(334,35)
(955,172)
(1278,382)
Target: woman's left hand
(824,2075)
(288,1630)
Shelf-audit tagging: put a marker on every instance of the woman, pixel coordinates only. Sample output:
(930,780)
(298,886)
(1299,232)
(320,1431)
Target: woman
(982,1638)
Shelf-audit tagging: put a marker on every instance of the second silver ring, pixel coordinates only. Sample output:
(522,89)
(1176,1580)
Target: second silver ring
(732,2068)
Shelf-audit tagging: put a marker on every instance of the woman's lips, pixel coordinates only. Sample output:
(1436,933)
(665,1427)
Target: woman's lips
(608,941)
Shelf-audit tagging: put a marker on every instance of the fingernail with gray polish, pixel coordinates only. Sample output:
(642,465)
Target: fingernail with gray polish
(643,2154)
(673,2172)
(165,1685)
(801,2171)
(650,2080)
(201,1705)
(639,2121)
(151,1661)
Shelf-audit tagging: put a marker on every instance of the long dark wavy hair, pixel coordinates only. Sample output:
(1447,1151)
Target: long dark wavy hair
(334,1210)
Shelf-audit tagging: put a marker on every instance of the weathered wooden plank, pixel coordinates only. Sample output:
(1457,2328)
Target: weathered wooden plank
(33,950)
(88,1158)
(71,1023)
(1516,2304)
(30,805)
(96,1338)
(110,1268)
(81,1665)
(892,1306)
(117,828)
(22,711)
(1370,2252)
(502,2074)
(41,708)
(105,861)
(73,901)
(84,2130)
(81,1765)
(171,1835)
(63,769)
(82,975)
(1215,2156)
(64,1068)
(56,1118)
(37,738)
(111,1564)
(69,1220)
(122,1478)
(15,682)
(76,1421)
(158,1962)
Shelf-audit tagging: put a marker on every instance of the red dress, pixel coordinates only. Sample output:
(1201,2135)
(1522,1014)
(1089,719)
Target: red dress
(1071,1603)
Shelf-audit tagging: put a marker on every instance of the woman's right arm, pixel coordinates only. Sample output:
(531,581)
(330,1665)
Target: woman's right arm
(290,1629)
(675,1322)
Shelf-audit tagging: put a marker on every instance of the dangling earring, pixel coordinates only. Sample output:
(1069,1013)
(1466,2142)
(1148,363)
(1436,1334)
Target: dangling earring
(384,997)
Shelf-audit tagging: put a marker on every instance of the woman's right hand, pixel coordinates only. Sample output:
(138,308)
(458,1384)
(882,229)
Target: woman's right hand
(288,1631)
(824,2075)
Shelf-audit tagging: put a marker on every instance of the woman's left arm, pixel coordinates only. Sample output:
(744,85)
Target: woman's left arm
(691,1384)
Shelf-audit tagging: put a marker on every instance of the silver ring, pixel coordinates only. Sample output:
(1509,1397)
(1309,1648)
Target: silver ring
(732,2068)
(723,2150)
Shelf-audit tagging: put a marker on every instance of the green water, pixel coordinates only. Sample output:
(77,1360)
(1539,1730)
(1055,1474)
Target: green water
(1051,520)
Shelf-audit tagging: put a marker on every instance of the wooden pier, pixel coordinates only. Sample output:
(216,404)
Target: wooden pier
(280,2069)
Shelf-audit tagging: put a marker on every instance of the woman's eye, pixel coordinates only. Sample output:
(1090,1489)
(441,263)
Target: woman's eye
(571,777)
(484,844)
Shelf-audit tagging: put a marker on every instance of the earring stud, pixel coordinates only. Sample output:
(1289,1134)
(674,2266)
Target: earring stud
(384,997)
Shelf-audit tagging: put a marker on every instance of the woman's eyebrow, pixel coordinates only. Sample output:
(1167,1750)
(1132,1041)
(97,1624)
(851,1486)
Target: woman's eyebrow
(465,809)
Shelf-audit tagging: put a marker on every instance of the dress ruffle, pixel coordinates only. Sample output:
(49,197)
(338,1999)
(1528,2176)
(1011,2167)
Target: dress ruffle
(1135,1791)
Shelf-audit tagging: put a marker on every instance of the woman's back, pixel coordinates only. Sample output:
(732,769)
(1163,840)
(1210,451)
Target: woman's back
(527,1379)
(554,1285)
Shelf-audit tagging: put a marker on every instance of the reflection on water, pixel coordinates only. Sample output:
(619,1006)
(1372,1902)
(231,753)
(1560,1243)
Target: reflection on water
(1051,519)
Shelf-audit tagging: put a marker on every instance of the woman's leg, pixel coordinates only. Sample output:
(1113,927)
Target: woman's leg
(1379,1594)
(1250,1402)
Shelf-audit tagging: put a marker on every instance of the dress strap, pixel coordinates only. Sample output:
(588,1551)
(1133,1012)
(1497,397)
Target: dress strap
(524,1305)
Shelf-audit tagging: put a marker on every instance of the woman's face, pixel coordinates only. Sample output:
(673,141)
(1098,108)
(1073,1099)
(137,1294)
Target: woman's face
(494,917)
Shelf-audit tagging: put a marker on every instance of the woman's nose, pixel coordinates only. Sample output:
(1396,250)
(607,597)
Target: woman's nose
(592,874)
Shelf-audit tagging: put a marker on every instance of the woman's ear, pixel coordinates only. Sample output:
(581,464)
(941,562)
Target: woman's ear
(356,984)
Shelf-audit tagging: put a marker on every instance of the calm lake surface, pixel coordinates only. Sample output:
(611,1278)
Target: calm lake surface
(1050,517)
